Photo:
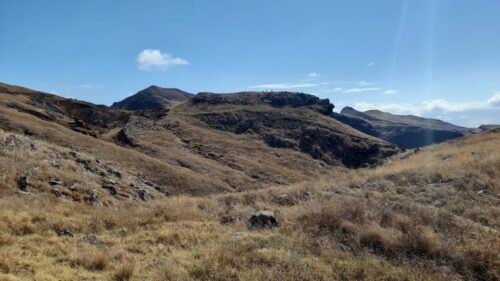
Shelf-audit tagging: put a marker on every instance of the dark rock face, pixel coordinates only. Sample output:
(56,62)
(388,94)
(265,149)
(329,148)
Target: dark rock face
(263,219)
(124,139)
(274,99)
(406,131)
(302,129)
(489,127)
(153,98)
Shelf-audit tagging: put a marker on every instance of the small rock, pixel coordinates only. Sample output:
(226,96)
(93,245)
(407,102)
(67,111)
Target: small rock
(110,188)
(263,219)
(53,163)
(142,194)
(93,198)
(304,196)
(22,182)
(55,183)
(163,190)
(226,220)
(91,239)
(481,191)
(72,153)
(284,200)
(66,232)
(238,235)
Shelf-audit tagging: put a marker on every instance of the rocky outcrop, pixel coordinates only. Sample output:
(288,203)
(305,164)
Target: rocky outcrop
(273,99)
(210,143)
(293,121)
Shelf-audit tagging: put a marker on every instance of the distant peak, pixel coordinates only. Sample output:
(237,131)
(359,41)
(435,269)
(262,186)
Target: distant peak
(152,98)
(348,109)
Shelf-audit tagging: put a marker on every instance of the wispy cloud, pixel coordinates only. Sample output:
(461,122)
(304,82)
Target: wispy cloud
(360,90)
(370,64)
(390,92)
(152,59)
(433,106)
(313,75)
(89,86)
(284,86)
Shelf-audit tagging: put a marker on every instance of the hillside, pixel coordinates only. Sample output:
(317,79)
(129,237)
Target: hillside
(242,186)
(426,215)
(406,131)
(153,98)
(208,144)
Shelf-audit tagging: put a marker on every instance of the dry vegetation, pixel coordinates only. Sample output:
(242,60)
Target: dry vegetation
(427,215)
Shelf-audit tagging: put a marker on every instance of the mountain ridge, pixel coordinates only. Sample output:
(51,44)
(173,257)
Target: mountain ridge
(211,143)
(406,131)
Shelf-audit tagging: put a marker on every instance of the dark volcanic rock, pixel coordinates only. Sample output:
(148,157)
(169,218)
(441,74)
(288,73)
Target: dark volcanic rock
(22,182)
(263,219)
(153,98)
(406,131)
(124,139)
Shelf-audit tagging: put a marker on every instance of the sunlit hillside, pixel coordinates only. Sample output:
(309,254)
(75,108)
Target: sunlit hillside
(431,214)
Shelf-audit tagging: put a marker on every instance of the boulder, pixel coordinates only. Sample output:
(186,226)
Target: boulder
(55,183)
(65,232)
(22,182)
(93,198)
(263,219)
(91,239)
(284,200)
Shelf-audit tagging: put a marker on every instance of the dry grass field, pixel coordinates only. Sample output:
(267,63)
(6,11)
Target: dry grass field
(432,214)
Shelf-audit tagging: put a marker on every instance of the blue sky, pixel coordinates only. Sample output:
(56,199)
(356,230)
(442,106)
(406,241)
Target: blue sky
(426,57)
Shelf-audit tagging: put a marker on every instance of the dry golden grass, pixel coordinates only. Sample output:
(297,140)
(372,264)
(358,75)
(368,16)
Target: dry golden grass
(422,217)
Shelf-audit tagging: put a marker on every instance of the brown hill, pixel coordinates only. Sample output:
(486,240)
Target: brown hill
(209,144)
(153,98)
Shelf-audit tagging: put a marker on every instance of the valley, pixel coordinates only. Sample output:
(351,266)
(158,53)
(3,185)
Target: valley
(243,186)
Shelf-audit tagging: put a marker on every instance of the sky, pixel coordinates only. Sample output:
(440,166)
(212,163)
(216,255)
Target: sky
(432,58)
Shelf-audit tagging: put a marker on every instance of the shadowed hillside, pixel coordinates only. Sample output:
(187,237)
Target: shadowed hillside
(406,131)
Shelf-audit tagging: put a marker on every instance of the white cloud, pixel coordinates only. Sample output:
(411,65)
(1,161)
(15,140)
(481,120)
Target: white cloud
(313,75)
(284,86)
(360,90)
(151,59)
(390,92)
(433,106)
(370,64)
(333,90)
(495,100)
